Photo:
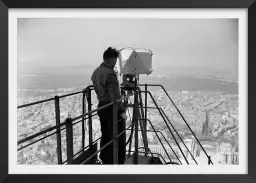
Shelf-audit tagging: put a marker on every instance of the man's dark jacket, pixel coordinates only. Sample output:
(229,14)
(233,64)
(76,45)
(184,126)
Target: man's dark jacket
(106,84)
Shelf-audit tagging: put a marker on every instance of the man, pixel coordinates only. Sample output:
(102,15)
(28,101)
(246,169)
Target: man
(106,86)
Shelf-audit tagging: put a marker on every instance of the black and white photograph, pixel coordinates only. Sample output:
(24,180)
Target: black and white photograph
(116,89)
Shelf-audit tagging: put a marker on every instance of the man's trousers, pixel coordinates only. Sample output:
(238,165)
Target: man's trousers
(106,122)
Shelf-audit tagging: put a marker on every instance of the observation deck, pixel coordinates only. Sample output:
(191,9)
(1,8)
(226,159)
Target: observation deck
(176,152)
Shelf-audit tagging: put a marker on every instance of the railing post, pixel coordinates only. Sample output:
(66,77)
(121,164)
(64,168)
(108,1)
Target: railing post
(69,138)
(58,134)
(89,101)
(136,127)
(115,133)
(209,160)
(146,107)
(142,123)
(83,120)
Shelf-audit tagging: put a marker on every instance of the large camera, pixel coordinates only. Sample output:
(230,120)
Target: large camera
(132,63)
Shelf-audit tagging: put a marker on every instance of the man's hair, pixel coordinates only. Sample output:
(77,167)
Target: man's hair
(110,53)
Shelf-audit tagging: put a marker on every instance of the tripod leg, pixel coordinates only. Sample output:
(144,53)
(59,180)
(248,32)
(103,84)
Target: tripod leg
(142,125)
(136,127)
(135,115)
(131,135)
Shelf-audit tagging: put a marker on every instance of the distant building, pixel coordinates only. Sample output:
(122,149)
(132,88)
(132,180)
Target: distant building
(226,154)
(227,133)
(215,133)
(184,92)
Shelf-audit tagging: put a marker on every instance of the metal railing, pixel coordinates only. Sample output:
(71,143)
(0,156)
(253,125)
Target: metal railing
(68,125)
(161,111)
(156,131)
(60,126)
(146,85)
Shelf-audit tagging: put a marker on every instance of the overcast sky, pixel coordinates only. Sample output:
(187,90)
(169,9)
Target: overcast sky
(207,42)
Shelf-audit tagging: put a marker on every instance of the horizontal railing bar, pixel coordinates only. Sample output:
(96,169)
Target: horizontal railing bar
(78,122)
(149,85)
(47,100)
(36,141)
(103,107)
(82,119)
(34,103)
(43,138)
(45,131)
(88,146)
(70,94)
(40,133)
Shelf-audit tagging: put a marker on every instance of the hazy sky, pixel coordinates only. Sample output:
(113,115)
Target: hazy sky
(210,42)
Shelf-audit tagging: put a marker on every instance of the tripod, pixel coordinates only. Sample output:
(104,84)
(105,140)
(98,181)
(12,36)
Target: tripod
(138,121)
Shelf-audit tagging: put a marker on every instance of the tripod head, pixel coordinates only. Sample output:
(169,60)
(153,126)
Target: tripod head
(129,83)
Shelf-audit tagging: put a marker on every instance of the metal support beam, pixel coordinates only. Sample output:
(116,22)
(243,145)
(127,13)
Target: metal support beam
(89,101)
(136,154)
(58,134)
(146,105)
(142,124)
(83,121)
(69,138)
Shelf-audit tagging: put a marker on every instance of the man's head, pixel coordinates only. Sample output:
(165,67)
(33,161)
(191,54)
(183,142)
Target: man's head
(110,56)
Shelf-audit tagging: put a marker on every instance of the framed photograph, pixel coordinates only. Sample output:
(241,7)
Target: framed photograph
(196,51)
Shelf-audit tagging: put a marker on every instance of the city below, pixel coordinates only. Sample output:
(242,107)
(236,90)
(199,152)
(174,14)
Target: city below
(220,139)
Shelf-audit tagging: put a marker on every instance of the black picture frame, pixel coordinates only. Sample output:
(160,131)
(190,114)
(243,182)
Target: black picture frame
(6,4)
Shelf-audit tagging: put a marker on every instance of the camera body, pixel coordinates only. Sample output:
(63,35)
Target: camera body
(132,63)
(135,61)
